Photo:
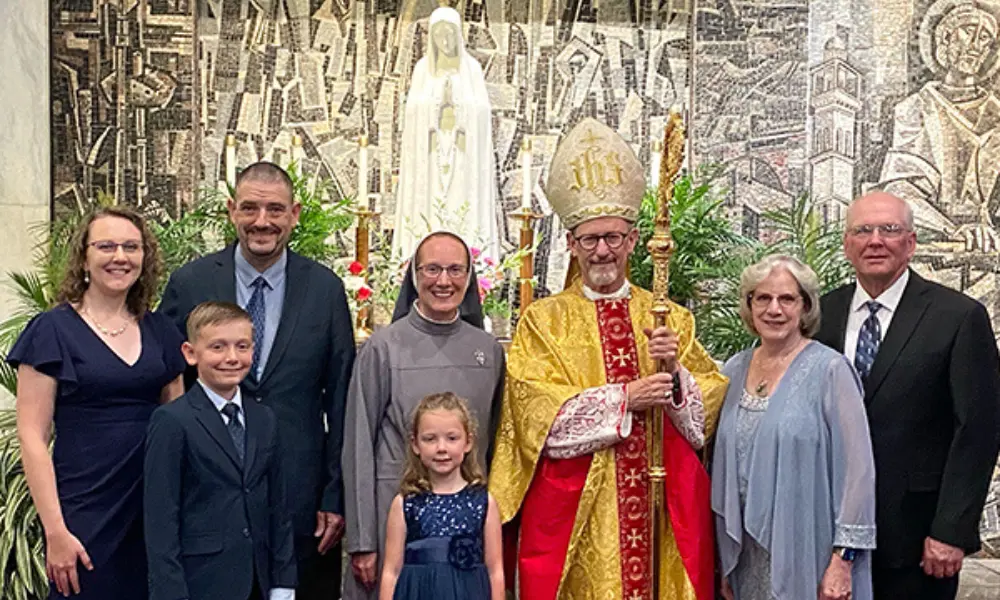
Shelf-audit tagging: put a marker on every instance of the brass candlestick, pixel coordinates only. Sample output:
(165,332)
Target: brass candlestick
(661,247)
(526,291)
(362,245)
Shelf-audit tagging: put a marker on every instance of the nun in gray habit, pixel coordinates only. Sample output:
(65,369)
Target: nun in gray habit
(793,477)
(395,369)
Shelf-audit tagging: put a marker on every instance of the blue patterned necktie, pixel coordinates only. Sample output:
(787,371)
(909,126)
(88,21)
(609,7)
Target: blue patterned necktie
(235,428)
(869,339)
(257,310)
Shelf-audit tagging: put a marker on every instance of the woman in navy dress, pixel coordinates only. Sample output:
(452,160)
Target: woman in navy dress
(443,532)
(95,367)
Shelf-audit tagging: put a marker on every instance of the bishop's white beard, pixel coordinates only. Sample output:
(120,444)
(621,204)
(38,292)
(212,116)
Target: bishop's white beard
(601,275)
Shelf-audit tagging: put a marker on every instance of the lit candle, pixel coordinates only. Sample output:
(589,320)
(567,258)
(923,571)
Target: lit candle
(654,164)
(526,173)
(231,160)
(297,152)
(363,170)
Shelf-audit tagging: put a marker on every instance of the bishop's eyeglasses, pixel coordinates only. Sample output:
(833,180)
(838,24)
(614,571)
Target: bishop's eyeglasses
(614,240)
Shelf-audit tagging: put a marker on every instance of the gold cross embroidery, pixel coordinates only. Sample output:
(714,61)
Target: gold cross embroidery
(590,139)
(621,357)
(635,537)
(633,478)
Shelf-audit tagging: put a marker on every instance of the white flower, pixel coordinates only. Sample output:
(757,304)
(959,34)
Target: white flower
(353,283)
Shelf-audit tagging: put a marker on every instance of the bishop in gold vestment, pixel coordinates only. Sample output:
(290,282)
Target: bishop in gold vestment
(570,465)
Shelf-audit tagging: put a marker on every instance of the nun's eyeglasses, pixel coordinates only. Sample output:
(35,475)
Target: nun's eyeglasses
(434,271)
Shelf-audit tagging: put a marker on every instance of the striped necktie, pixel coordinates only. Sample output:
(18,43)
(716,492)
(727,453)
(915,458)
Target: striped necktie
(235,428)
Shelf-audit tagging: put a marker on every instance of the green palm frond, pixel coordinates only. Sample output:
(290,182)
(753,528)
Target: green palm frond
(709,255)
(22,563)
(801,233)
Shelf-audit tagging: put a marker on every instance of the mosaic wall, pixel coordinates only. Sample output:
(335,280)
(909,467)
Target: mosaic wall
(791,95)
(123,117)
(812,96)
(330,72)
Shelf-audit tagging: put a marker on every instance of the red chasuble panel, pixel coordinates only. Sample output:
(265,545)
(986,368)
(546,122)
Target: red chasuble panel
(621,365)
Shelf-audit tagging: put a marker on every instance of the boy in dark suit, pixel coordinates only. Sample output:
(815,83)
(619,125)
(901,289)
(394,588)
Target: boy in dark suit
(215,517)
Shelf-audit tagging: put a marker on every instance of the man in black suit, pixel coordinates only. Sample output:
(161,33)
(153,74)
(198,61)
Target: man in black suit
(215,517)
(928,359)
(304,352)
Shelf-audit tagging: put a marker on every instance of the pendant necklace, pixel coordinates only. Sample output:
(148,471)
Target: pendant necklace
(102,328)
(761,390)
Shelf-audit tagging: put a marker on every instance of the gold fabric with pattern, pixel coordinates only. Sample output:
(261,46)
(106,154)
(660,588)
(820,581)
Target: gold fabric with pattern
(595,173)
(555,355)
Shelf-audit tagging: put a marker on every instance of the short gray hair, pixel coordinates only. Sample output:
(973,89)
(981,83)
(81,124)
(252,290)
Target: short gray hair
(803,275)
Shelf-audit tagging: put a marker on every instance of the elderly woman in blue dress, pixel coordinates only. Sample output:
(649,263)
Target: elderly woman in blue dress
(793,480)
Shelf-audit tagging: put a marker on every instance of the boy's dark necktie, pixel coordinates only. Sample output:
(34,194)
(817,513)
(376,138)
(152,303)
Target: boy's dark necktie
(235,428)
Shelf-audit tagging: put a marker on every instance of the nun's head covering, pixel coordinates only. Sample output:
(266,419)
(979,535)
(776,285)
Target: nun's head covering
(470,310)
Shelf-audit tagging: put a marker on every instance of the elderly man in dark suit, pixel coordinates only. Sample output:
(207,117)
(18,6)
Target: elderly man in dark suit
(928,359)
(303,355)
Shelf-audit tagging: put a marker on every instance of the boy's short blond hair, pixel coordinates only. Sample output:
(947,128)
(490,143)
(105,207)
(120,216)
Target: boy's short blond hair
(214,313)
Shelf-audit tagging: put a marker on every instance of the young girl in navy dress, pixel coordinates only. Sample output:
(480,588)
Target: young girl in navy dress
(443,533)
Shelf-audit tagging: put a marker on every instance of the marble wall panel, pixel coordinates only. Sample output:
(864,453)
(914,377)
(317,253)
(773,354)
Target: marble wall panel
(24,139)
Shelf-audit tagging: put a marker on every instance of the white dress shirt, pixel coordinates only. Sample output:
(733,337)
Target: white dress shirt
(219,402)
(889,299)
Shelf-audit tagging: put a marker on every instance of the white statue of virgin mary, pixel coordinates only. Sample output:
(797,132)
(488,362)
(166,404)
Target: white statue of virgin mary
(447,158)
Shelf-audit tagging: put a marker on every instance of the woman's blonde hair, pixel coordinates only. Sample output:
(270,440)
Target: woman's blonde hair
(416,478)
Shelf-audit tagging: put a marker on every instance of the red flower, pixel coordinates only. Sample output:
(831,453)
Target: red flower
(356,268)
(364,293)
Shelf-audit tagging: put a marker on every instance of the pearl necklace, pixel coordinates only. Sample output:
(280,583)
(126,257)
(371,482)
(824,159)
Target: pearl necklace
(102,328)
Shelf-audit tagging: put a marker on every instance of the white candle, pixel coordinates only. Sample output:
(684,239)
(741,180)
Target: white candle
(654,164)
(526,180)
(363,171)
(297,152)
(231,160)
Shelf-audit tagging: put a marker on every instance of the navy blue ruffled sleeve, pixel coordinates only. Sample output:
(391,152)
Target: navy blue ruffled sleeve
(41,346)
(170,339)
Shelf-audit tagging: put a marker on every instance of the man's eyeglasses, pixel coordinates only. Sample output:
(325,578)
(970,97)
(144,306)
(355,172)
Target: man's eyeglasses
(613,239)
(434,271)
(109,247)
(764,300)
(888,230)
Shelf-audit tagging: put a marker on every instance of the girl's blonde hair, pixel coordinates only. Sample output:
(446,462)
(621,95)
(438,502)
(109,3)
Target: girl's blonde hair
(416,478)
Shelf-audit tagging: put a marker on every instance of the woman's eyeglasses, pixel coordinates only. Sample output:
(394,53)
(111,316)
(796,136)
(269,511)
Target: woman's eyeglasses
(109,247)
(434,271)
